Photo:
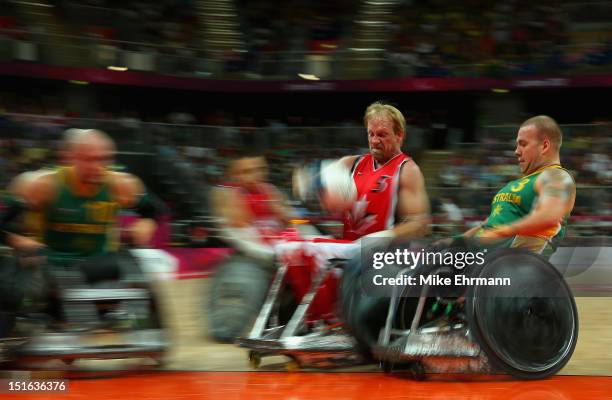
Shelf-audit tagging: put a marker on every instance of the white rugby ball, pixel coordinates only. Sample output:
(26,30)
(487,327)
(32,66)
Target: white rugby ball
(338,187)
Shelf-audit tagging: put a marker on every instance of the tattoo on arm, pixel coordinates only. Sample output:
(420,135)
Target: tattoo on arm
(552,191)
(557,183)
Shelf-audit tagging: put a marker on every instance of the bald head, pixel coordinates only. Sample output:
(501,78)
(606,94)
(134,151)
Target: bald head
(92,153)
(70,135)
(538,143)
(546,128)
(91,137)
(66,146)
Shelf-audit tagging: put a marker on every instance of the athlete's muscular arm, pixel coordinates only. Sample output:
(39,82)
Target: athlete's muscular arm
(348,161)
(37,192)
(34,192)
(458,240)
(472,231)
(236,224)
(129,190)
(556,195)
(412,204)
(229,209)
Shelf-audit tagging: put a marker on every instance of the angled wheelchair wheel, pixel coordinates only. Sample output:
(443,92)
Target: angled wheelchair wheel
(365,313)
(528,329)
(238,291)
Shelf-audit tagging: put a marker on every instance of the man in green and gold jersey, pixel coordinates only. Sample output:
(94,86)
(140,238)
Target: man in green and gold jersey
(531,211)
(79,202)
(31,233)
(78,205)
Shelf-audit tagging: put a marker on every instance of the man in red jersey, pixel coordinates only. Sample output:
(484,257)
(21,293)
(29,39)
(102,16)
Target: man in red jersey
(252,217)
(251,211)
(392,201)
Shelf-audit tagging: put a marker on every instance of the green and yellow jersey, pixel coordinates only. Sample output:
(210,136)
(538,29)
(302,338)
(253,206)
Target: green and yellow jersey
(79,225)
(32,221)
(513,202)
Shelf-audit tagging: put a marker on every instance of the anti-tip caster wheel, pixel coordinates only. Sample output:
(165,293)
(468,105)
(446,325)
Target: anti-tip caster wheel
(160,362)
(386,367)
(292,366)
(417,371)
(254,359)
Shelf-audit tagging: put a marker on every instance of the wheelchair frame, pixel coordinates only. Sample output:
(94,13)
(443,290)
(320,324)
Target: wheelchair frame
(325,347)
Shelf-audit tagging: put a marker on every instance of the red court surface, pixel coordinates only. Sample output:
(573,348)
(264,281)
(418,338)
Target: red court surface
(331,386)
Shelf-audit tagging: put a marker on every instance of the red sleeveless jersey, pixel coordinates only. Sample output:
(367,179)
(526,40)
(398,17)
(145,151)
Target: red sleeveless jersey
(259,203)
(377,190)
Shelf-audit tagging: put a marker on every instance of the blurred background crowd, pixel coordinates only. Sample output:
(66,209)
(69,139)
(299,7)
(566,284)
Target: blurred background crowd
(461,177)
(463,141)
(338,39)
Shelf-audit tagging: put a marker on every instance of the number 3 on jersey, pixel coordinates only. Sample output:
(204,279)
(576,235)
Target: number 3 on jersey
(518,187)
(381,184)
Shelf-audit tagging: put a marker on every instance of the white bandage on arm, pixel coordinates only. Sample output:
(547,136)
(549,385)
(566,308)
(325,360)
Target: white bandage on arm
(247,241)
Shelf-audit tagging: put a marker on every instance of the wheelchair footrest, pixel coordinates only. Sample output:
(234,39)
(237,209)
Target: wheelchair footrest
(273,345)
(105,294)
(307,343)
(319,343)
(454,343)
(326,359)
(149,342)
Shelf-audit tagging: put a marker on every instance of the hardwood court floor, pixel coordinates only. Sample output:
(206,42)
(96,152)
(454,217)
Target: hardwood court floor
(323,386)
(185,307)
(202,369)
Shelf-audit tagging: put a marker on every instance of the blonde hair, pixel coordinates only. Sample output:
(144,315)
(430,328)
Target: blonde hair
(377,108)
(546,127)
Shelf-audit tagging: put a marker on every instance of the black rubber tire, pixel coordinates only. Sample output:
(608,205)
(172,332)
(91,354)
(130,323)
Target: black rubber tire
(238,291)
(386,367)
(416,370)
(364,314)
(532,336)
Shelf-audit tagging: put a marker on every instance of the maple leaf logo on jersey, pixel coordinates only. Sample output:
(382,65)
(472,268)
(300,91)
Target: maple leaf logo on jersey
(359,219)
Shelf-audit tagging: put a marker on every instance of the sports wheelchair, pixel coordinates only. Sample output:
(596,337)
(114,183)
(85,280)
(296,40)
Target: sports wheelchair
(527,329)
(99,308)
